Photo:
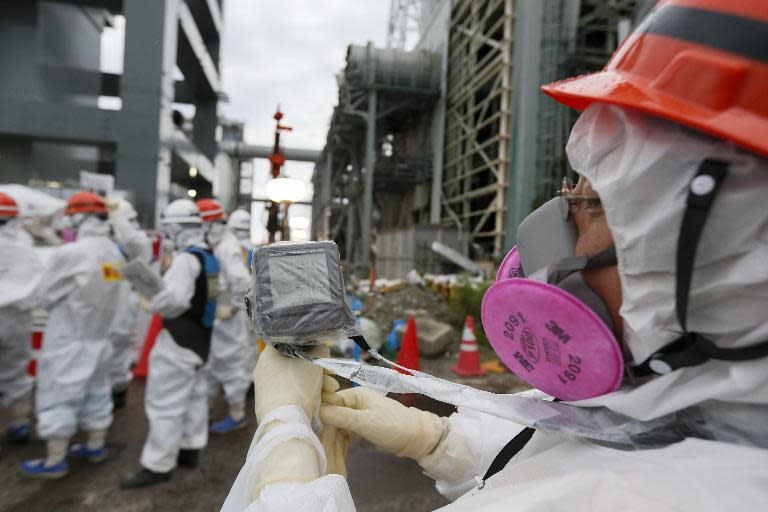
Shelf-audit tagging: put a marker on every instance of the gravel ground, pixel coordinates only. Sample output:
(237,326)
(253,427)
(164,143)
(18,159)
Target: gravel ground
(378,481)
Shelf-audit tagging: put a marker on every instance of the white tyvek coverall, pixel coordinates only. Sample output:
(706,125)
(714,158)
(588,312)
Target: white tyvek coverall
(20,273)
(623,152)
(80,292)
(121,335)
(232,347)
(130,318)
(176,395)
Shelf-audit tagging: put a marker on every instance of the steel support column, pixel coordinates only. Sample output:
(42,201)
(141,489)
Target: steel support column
(324,210)
(366,222)
(525,99)
(147,88)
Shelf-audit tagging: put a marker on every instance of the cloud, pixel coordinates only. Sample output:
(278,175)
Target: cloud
(288,52)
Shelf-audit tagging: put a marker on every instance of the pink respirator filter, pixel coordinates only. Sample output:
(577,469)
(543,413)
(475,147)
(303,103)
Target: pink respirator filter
(551,340)
(510,266)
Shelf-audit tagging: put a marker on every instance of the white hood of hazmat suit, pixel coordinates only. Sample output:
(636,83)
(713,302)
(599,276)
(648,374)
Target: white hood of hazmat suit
(641,167)
(80,289)
(20,268)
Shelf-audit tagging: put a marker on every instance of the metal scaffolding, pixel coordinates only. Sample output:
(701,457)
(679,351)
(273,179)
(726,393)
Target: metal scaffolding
(380,91)
(477,133)
(555,39)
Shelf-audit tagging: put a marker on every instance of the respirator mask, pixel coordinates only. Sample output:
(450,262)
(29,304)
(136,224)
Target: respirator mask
(214,232)
(543,320)
(297,295)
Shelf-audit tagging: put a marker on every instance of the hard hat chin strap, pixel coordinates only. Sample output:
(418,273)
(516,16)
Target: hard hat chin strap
(692,349)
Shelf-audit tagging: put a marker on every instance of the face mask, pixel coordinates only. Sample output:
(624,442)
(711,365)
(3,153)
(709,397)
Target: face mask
(550,328)
(68,234)
(214,233)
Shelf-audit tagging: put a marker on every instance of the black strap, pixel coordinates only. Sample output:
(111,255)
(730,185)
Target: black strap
(697,208)
(692,349)
(510,449)
(360,342)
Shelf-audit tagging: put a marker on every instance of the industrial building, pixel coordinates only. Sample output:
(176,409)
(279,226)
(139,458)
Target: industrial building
(444,134)
(441,136)
(52,91)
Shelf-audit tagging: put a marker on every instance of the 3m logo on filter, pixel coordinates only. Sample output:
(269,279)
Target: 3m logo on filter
(111,272)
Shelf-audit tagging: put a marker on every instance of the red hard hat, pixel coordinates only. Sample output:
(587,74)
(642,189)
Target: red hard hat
(85,202)
(210,210)
(8,207)
(701,63)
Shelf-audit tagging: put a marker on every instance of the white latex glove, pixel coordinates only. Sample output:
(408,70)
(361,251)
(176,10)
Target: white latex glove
(283,381)
(386,423)
(335,441)
(280,380)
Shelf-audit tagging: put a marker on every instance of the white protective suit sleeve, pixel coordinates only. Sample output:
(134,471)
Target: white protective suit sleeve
(329,493)
(472,441)
(179,286)
(20,268)
(135,242)
(65,272)
(464,454)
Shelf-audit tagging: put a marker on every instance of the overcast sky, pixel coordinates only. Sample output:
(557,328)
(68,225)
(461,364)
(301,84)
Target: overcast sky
(283,52)
(288,52)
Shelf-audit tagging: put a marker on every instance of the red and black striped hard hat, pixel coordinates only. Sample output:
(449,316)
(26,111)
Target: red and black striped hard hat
(85,202)
(701,63)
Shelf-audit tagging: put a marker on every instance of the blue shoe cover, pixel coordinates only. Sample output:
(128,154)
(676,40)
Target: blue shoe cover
(227,425)
(81,451)
(36,468)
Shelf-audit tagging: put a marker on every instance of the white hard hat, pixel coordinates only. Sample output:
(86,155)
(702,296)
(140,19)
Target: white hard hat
(181,211)
(120,208)
(239,220)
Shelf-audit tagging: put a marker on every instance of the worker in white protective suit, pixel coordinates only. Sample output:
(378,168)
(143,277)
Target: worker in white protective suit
(240,224)
(228,364)
(20,273)
(176,394)
(670,250)
(79,289)
(130,318)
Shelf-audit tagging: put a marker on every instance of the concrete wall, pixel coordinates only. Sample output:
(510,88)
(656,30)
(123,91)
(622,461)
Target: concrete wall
(48,52)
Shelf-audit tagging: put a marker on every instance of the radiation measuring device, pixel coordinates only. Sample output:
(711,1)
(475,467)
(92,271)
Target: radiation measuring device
(297,294)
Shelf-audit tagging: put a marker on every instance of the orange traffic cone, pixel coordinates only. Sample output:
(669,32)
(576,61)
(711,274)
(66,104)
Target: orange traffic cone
(469,357)
(142,366)
(37,346)
(409,350)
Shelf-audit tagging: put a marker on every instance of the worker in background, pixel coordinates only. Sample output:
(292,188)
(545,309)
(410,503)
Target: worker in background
(20,273)
(239,222)
(228,363)
(673,159)
(133,244)
(80,289)
(176,394)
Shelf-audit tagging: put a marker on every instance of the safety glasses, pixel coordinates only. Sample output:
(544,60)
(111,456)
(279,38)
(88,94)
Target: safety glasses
(570,203)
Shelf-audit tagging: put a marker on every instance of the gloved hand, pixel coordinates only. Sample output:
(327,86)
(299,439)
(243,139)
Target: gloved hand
(280,380)
(225,311)
(335,441)
(386,423)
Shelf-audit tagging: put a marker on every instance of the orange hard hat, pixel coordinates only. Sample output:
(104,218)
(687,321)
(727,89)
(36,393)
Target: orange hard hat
(210,210)
(8,207)
(85,202)
(701,63)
